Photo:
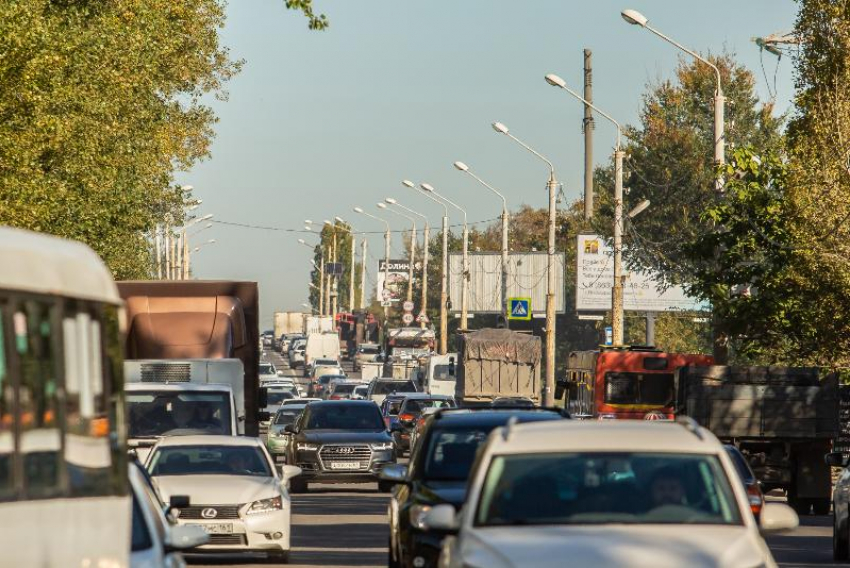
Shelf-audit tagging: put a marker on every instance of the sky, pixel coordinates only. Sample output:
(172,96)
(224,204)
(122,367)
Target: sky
(320,122)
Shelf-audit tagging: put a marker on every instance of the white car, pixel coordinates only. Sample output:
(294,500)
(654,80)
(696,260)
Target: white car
(268,372)
(609,493)
(155,541)
(237,496)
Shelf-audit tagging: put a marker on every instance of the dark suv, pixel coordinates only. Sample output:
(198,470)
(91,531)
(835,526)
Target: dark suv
(339,441)
(437,473)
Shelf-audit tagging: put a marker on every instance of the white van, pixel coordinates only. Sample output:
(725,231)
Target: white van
(320,346)
(438,376)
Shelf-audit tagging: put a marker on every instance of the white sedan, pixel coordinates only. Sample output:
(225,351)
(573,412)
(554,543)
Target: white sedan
(236,494)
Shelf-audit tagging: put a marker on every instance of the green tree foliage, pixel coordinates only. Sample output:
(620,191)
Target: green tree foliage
(314,22)
(334,244)
(101,101)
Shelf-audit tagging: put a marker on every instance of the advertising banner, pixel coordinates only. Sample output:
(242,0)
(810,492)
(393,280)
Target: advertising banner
(397,273)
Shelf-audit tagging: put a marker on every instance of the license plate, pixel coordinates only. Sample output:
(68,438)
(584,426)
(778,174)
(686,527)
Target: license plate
(216,528)
(345,465)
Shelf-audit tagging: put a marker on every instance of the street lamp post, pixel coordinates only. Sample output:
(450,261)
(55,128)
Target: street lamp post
(423,312)
(184,237)
(464,289)
(552,185)
(412,248)
(321,269)
(444,292)
(617,318)
(387,236)
(333,290)
(350,231)
(464,168)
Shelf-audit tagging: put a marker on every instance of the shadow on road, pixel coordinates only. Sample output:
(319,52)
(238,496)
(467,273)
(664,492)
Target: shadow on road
(341,535)
(338,558)
(809,545)
(323,505)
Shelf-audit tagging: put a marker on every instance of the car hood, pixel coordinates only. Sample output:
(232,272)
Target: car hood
(343,437)
(217,489)
(616,545)
(435,492)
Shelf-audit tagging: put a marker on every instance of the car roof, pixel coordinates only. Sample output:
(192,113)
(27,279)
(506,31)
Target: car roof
(491,417)
(608,436)
(294,401)
(208,440)
(177,387)
(339,402)
(425,395)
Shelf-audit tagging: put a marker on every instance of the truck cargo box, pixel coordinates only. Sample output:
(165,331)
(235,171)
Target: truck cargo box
(496,363)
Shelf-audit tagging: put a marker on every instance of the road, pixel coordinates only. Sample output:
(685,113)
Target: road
(346,525)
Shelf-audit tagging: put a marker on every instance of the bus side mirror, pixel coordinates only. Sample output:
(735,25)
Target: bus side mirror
(451,366)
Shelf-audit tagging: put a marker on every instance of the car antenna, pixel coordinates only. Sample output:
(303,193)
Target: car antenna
(508,429)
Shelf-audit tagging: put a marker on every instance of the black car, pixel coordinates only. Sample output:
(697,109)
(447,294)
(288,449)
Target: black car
(339,441)
(409,409)
(437,473)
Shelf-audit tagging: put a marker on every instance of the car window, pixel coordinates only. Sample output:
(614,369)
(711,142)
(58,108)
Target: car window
(209,460)
(741,466)
(343,389)
(344,417)
(141,536)
(416,406)
(600,488)
(389,387)
(288,415)
(391,407)
(451,453)
(441,373)
(278,396)
(266,369)
(158,413)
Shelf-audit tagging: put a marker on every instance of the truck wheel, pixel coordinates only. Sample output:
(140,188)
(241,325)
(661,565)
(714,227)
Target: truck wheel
(821,506)
(840,546)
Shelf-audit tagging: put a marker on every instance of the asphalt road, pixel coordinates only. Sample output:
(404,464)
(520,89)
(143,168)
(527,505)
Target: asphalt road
(346,525)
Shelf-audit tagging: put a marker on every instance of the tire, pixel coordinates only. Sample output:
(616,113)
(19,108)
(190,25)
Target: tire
(821,506)
(385,487)
(281,557)
(840,545)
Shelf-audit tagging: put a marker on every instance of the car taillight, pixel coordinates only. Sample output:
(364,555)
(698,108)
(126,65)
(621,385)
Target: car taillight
(755,498)
(406,417)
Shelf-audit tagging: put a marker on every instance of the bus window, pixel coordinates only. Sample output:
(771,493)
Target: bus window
(40,436)
(7,442)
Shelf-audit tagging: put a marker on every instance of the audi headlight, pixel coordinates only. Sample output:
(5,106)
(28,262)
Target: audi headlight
(382,446)
(307,447)
(417,515)
(266,505)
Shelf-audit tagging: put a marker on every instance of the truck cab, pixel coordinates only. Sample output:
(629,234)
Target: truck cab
(438,374)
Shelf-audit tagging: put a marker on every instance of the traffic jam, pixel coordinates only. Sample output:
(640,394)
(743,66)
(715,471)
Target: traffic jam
(195,445)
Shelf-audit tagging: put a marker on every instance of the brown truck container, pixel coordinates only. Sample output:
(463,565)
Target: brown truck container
(197,319)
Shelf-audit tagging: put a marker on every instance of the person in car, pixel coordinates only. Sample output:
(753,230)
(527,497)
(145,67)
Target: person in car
(666,488)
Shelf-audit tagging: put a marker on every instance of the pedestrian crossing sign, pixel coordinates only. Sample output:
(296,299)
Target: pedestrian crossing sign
(519,308)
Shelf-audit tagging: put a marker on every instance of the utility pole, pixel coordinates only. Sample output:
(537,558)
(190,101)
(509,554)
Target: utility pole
(410,264)
(650,328)
(617,298)
(424,309)
(444,292)
(158,245)
(549,391)
(351,274)
(184,236)
(322,284)
(335,279)
(363,275)
(386,276)
(588,136)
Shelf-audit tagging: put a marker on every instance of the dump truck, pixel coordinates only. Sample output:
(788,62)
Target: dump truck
(189,331)
(494,363)
(783,419)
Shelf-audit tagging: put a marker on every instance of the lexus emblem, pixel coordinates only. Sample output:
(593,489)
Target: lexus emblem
(209,513)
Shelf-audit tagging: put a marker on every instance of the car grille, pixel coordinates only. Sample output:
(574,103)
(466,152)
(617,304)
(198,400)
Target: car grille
(223,512)
(339,453)
(228,540)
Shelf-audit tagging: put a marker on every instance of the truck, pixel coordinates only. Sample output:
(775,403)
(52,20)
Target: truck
(287,322)
(318,324)
(409,342)
(437,374)
(783,419)
(195,331)
(320,346)
(494,363)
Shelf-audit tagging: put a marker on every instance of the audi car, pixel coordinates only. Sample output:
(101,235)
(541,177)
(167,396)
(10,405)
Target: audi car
(339,441)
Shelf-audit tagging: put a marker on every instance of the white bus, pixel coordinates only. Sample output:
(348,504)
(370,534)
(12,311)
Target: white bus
(64,499)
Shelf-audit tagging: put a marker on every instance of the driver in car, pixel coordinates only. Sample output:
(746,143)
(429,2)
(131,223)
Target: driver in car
(666,488)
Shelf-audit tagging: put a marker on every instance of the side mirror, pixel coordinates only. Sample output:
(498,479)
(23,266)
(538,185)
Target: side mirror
(837,459)
(263,397)
(394,473)
(777,517)
(280,374)
(440,518)
(290,429)
(451,366)
(184,537)
(287,472)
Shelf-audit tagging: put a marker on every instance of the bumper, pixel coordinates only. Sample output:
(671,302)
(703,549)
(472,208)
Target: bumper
(263,532)
(314,470)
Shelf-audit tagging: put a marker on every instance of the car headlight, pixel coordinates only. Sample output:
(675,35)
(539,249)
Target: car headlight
(382,446)
(417,514)
(266,505)
(307,447)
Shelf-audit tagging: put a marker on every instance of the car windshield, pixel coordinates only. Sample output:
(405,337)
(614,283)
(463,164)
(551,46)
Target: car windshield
(266,369)
(343,389)
(392,407)
(325,363)
(209,460)
(158,413)
(451,453)
(288,414)
(341,416)
(389,387)
(600,488)
(276,397)
(416,406)
(441,373)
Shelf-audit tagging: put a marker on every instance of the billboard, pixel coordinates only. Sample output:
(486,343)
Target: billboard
(642,292)
(526,279)
(397,275)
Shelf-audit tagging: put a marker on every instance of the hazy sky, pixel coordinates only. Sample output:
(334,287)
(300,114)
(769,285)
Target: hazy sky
(318,122)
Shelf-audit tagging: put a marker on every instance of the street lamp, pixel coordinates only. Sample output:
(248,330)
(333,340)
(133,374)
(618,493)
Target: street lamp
(464,290)
(423,312)
(637,19)
(184,238)
(552,185)
(617,292)
(444,290)
(464,168)
(333,284)
(321,269)
(387,236)
(412,248)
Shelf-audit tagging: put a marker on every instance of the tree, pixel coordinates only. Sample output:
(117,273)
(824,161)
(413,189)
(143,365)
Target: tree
(315,22)
(338,236)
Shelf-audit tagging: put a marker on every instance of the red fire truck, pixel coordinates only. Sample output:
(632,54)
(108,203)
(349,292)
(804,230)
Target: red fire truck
(624,383)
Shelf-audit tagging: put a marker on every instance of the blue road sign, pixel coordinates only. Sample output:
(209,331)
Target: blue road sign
(519,308)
